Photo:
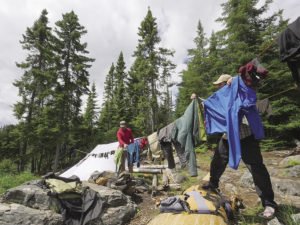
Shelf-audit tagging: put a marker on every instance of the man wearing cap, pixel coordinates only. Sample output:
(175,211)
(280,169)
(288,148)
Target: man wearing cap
(125,138)
(222,80)
(251,156)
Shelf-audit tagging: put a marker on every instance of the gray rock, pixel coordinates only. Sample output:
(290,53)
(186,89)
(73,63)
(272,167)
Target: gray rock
(118,215)
(112,197)
(180,178)
(286,186)
(230,188)
(15,214)
(31,196)
(30,205)
(274,222)
(292,172)
(296,218)
(290,161)
(246,180)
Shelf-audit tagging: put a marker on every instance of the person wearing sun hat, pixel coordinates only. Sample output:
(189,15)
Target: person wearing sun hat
(125,137)
(222,80)
(250,154)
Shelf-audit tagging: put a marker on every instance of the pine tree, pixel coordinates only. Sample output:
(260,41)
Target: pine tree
(90,118)
(120,95)
(73,77)
(90,115)
(35,84)
(193,79)
(145,76)
(107,111)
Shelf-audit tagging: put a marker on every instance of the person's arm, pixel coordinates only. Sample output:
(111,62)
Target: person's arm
(120,139)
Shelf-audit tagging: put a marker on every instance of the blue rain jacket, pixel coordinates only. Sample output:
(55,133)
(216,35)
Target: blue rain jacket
(224,111)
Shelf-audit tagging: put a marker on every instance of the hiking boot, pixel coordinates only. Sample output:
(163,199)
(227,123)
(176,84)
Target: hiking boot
(210,187)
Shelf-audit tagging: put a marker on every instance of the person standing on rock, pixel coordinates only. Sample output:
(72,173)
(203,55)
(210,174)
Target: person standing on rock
(125,137)
(250,154)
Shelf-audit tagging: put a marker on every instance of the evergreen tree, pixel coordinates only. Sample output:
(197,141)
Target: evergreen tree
(120,95)
(193,79)
(145,76)
(72,78)
(90,115)
(35,84)
(107,124)
(243,23)
(90,119)
(9,144)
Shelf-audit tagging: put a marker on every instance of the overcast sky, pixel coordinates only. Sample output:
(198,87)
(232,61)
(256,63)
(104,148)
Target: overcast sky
(112,27)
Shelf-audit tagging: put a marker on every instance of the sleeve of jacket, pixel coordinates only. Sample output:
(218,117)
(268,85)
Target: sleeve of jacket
(120,138)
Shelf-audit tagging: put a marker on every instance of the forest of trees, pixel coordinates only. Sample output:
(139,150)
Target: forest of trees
(53,129)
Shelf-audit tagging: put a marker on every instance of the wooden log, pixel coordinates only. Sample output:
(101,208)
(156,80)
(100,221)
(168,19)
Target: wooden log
(154,185)
(153,167)
(152,171)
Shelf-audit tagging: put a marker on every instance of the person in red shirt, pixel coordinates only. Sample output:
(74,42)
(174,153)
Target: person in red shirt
(124,135)
(125,138)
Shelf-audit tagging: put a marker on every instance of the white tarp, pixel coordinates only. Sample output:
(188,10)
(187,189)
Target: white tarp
(100,159)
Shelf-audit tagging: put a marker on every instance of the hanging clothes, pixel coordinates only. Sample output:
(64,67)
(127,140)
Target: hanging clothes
(186,132)
(224,111)
(289,47)
(264,107)
(202,133)
(165,133)
(133,153)
(165,140)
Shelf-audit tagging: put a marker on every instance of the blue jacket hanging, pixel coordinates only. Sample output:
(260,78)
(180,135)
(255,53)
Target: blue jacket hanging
(224,111)
(133,153)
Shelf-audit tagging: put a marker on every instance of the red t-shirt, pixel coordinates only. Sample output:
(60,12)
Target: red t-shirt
(124,136)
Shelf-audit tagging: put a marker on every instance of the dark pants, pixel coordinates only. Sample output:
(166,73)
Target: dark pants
(252,157)
(167,149)
(168,153)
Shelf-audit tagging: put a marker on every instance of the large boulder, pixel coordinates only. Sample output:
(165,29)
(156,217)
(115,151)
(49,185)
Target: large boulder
(30,195)
(120,207)
(16,214)
(290,161)
(30,204)
(286,186)
(246,180)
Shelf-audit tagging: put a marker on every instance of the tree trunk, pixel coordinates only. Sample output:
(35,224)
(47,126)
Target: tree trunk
(56,157)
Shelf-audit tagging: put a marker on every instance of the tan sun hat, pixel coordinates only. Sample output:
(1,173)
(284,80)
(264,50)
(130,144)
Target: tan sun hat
(222,78)
(123,123)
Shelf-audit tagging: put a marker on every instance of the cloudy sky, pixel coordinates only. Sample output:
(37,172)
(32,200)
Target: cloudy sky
(112,27)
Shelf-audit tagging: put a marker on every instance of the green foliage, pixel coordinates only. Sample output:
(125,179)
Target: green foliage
(7,167)
(248,32)
(9,180)
(250,216)
(292,163)
(151,69)
(201,149)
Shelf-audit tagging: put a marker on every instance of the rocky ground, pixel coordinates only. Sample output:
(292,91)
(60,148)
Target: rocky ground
(283,167)
(29,204)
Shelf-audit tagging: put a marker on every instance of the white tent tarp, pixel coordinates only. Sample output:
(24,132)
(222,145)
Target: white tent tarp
(100,159)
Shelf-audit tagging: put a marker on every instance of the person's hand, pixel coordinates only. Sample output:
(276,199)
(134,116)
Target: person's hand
(125,145)
(229,81)
(193,96)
